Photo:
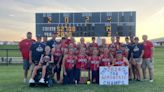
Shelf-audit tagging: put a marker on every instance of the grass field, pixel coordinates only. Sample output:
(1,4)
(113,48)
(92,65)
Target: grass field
(11,53)
(11,80)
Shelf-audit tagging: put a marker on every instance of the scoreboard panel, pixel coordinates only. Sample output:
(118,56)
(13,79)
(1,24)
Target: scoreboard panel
(86,24)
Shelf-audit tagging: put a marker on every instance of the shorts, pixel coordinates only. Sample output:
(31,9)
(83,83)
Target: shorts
(35,62)
(26,65)
(138,60)
(147,63)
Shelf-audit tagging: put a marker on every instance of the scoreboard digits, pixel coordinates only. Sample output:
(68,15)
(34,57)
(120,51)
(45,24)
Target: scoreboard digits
(86,24)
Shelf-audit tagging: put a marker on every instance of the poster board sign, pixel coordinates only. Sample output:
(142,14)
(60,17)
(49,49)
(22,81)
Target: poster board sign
(115,75)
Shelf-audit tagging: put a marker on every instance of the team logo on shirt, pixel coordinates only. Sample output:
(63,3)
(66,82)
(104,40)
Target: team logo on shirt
(136,48)
(119,63)
(94,62)
(70,61)
(39,49)
(82,60)
(105,59)
(54,44)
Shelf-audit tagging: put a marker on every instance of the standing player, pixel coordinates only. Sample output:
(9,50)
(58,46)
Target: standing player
(132,66)
(69,62)
(57,54)
(52,43)
(118,41)
(45,40)
(81,64)
(82,43)
(148,58)
(137,54)
(64,44)
(24,47)
(36,50)
(92,46)
(128,47)
(94,61)
(112,46)
(102,46)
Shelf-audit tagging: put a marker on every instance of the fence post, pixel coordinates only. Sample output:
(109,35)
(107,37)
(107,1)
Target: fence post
(7,55)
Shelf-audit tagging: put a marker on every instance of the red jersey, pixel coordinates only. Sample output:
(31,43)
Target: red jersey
(148,45)
(125,52)
(81,62)
(63,46)
(57,52)
(24,47)
(105,60)
(112,49)
(67,41)
(94,45)
(94,62)
(74,45)
(70,62)
(120,63)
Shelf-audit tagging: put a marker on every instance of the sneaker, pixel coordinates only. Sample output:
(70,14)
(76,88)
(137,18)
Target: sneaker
(31,81)
(151,80)
(41,80)
(75,82)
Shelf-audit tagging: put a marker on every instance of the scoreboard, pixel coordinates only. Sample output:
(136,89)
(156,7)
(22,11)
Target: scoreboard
(86,24)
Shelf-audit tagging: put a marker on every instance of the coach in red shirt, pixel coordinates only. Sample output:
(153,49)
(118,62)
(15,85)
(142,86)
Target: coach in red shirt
(24,47)
(148,58)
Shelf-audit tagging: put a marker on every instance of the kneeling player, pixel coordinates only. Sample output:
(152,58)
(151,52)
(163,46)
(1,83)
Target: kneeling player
(68,67)
(94,66)
(44,60)
(81,64)
(120,60)
(106,58)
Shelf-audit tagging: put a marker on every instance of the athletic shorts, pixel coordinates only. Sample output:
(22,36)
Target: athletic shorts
(26,65)
(138,60)
(147,63)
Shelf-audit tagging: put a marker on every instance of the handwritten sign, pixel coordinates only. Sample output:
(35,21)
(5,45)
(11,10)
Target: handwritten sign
(115,75)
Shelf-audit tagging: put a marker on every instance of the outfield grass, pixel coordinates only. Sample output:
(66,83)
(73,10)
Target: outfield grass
(11,53)
(11,80)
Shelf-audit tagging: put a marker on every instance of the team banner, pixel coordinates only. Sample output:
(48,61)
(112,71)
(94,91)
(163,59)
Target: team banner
(86,24)
(114,75)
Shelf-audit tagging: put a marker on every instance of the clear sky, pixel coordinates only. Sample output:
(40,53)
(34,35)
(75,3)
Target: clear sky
(18,16)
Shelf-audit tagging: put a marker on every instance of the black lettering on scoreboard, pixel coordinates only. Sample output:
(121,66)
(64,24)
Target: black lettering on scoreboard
(86,24)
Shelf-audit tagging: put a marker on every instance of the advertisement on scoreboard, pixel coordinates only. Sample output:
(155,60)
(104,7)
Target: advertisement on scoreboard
(115,75)
(86,24)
